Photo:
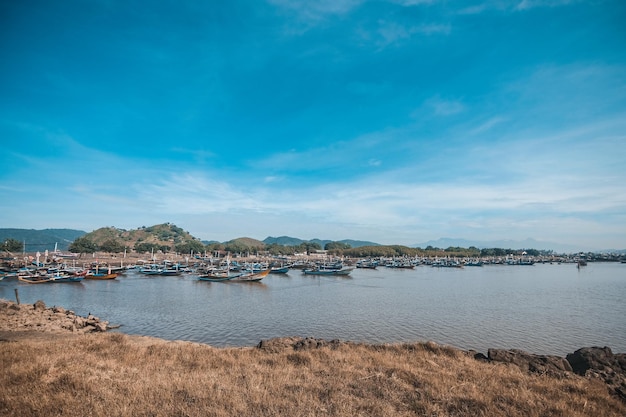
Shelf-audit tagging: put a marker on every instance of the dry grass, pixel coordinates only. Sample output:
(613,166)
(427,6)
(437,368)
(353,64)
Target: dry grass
(119,375)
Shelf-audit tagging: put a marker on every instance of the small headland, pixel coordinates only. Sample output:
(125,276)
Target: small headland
(57,363)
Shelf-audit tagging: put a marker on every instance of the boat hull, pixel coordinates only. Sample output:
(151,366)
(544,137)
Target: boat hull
(100,276)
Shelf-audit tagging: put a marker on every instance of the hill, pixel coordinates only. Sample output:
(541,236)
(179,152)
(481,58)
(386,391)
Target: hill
(293,241)
(246,242)
(41,240)
(162,236)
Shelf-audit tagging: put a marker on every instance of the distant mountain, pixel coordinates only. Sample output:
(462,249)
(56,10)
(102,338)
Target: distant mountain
(446,242)
(247,241)
(358,243)
(283,240)
(41,240)
(293,241)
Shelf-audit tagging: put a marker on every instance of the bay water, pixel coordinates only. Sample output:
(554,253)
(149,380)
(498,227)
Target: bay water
(544,308)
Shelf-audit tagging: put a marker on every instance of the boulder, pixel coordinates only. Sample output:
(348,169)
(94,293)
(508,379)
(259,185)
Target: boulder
(39,305)
(540,364)
(601,363)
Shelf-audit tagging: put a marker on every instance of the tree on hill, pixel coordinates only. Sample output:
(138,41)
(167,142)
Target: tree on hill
(308,247)
(149,247)
(111,246)
(83,245)
(276,249)
(190,246)
(12,245)
(333,246)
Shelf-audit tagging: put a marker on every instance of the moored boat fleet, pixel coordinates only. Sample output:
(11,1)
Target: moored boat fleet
(223,269)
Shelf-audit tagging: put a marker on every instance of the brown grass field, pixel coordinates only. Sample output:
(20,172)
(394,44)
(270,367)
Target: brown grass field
(112,374)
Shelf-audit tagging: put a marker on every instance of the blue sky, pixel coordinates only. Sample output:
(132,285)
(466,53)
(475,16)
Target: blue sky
(395,121)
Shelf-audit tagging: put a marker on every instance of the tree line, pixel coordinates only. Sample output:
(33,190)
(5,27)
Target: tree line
(86,245)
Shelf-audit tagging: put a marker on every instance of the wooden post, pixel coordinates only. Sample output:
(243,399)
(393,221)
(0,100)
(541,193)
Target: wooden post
(17,297)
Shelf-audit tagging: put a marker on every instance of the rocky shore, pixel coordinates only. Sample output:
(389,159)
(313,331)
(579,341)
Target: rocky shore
(36,321)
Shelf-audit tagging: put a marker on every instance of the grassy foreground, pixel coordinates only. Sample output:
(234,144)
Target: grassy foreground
(112,374)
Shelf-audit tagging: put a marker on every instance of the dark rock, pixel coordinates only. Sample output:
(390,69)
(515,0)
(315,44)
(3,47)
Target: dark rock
(297,343)
(39,305)
(312,343)
(601,363)
(477,355)
(540,364)
(595,358)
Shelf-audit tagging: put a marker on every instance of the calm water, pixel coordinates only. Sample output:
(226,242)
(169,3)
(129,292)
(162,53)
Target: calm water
(549,309)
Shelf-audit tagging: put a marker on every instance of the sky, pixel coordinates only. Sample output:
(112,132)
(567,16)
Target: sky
(397,122)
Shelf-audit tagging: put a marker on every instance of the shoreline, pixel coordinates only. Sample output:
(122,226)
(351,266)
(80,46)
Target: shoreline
(39,323)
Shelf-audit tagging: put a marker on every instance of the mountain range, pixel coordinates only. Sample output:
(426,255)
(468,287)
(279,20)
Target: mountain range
(293,241)
(46,239)
(41,240)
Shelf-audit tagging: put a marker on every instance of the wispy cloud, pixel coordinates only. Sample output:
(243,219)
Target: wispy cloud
(532,4)
(487,125)
(391,32)
(511,6)
(313,11)
(409,3)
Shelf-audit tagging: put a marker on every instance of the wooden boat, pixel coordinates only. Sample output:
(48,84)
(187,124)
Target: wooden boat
(35,279)
(367,264)
(219,276)
(100,276)
(68,278)
(279,270)
(251,276)
(323,271)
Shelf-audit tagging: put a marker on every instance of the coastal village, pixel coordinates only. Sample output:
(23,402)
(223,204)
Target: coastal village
(108,252)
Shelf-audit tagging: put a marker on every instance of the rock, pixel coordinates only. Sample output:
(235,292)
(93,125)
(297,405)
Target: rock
(296,343)
(100,327)
(601,363)
(312,343)
(59,310)
(478,355)
(39,305)
(540,364)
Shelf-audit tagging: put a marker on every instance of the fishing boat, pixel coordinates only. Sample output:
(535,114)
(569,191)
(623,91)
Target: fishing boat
(251,276)
(68,278)
(279,270)
(367,264)
(35,279)
(100,276)
(328,271)
(219,276)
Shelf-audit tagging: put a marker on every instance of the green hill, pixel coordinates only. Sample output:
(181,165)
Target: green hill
(247,242)
(160,237)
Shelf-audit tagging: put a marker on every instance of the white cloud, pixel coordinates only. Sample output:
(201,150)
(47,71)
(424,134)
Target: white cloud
(391,33)
(487,125)
(512,5)
(317,10)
